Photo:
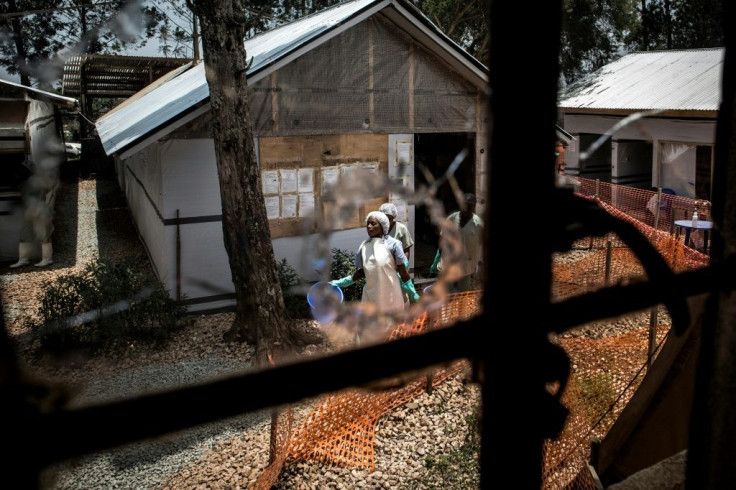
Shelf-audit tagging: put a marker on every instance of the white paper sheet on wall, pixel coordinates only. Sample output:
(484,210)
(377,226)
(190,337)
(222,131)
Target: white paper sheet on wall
(273,208)
(270,182)
(288,180)
(329,178)
(288,206)
(403,153)
(403,215)
(306,205)
(306,180)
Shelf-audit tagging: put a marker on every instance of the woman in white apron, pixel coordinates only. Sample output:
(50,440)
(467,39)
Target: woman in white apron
(378,260)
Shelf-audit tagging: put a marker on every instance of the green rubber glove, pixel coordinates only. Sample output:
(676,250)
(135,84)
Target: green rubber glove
(433,268)
(408,287)
(343,282)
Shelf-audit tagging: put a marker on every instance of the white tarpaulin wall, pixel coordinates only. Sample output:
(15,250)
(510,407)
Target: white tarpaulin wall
(142,185)
(674,140)
(678,168)
(360,81)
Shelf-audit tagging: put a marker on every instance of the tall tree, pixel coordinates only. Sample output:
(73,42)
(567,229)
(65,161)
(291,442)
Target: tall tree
(260,315)
(34,32)
(595,32)
(697,24)
(464,22)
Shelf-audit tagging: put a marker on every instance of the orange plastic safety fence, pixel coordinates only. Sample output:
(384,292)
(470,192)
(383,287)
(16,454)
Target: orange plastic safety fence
(340,430)
(607,369)
(605,372)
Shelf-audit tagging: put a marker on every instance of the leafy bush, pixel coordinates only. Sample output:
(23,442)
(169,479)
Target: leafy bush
(296,304)
(103,304)
(342,265)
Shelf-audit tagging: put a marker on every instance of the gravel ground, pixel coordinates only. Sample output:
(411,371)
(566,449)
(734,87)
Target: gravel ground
(93,221)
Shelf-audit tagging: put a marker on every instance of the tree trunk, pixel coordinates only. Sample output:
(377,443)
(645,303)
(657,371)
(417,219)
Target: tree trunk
(20,49)
(260,316)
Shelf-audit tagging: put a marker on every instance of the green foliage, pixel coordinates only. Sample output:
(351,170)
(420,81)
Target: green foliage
(104,304)
(296,303)
(598,394)
(464,22)
(29,44)
(342,265)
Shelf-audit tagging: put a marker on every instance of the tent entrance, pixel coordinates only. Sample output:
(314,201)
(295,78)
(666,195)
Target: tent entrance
(436,152)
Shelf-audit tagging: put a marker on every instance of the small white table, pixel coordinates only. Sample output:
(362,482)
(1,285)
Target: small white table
(687,225)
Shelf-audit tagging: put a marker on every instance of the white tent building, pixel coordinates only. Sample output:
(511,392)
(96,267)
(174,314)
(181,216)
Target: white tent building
(658,110)
(364,84)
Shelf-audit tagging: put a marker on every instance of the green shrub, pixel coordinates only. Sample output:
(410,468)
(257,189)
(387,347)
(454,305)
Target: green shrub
(103,304)
(598,394)
(342,265)
(296,303)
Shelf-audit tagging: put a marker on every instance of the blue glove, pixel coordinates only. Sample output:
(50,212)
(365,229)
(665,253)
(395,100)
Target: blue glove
(433,268)
(408,287)
(343,282)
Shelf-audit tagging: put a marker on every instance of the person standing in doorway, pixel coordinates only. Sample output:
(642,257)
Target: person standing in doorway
(470,228)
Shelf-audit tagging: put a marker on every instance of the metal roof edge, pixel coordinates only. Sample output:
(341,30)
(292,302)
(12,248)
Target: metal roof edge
(663,113)
(38,94)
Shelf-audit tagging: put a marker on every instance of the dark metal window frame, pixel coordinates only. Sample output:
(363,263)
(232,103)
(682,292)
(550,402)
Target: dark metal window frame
(508,345)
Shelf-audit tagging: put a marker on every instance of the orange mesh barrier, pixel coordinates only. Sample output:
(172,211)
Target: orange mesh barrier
(340,430)
(606,369)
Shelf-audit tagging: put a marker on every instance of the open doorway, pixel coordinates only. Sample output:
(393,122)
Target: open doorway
(436,151)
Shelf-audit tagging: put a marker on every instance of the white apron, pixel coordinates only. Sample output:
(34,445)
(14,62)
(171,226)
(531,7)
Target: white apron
(382,283)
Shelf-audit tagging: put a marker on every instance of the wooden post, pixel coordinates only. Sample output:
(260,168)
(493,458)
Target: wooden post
(656,214)
(597,196)
(609,254)
(178,258)
(652,335)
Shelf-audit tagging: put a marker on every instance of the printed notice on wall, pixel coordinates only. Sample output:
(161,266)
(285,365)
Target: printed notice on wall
(403,212)
(347,170)
(271,182)
(306,180)
(403,153)
(306,205)
(272,207)
(329,178)
(288,180)
(288,206)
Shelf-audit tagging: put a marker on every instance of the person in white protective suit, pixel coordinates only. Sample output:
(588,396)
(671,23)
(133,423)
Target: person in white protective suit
(39,196)
(381,261)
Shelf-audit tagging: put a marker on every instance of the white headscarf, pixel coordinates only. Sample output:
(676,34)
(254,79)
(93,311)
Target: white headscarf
(381,218)
(389,208)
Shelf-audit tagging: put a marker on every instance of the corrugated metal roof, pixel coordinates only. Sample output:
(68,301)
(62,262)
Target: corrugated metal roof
(151,109)
(678,80)
(127,123)
(97,75)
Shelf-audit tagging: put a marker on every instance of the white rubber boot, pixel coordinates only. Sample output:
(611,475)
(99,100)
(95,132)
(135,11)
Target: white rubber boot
(24,252)
(46,254)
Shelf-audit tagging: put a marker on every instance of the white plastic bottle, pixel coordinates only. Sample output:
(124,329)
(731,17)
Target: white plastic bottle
(695,219)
